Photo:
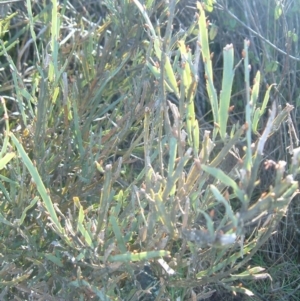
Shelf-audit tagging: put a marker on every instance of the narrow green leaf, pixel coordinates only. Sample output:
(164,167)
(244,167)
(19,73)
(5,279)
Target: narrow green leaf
(171,78)
(209,224)
(255,90)
(248,109)
(38,181)
(204,42)
(260,112)
(221,176)
(85,234)
(225,95)
(118,234)
(6,159)
(77,131)
(255,120)
(219,197)
(32,203)
(31,25)
(266,100)
(186,75)
(80,215)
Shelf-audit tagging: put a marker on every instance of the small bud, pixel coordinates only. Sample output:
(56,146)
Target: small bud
(245,126)
(231,108)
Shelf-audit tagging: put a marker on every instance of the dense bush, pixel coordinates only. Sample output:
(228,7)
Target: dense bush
(137,165)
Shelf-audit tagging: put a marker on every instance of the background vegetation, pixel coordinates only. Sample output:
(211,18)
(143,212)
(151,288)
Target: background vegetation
(149,150)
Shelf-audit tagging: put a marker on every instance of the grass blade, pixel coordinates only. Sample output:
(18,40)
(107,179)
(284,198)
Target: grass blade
(38,181)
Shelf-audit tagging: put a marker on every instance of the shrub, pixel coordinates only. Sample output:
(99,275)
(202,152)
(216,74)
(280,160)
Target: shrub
(102,173)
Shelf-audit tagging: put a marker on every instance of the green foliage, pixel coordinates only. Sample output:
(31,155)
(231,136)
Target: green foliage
(101,173)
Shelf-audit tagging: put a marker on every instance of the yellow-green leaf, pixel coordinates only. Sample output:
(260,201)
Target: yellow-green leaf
(4,161)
